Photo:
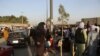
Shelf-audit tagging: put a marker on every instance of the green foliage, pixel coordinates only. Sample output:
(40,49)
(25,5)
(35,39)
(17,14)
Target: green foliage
(63,14)
(13,19)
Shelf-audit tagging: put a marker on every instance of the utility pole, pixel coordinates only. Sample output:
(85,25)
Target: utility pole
(46,10)
(22,17)
(51,13)
(51,9)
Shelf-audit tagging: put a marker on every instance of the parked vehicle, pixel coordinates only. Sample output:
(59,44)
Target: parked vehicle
(6,51)
(17,39)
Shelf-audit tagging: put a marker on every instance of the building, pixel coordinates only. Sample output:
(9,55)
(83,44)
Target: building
(14,26)
(91,20)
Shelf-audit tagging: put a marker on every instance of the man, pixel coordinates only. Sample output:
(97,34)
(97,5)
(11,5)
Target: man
(30,36)
(92,40)
(80,39)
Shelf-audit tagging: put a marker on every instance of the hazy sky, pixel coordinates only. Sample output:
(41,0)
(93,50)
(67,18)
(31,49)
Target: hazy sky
(36,10)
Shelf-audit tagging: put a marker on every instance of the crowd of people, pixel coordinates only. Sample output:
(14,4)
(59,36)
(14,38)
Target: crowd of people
(83,36)
(86,39)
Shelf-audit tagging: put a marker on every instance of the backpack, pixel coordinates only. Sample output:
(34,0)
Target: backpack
(79,36)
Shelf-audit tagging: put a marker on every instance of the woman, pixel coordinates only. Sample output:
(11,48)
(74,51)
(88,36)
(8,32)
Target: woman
(39,38)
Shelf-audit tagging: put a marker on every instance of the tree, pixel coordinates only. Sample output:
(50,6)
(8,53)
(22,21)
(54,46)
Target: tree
(63,18)
(13,19)
(63,15)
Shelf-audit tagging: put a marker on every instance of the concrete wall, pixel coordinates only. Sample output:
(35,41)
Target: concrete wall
(98,21)
(92,20)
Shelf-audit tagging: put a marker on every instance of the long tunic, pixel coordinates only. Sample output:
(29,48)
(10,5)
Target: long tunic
(92,38)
